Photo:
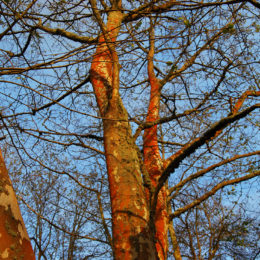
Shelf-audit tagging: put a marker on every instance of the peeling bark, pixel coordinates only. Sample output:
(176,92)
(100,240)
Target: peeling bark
(14,240)
(130,213)
(132,238)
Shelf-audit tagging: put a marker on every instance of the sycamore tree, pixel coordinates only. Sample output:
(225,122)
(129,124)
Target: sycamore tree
(125,115)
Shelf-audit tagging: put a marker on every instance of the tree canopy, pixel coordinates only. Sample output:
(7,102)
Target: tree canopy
(131,112)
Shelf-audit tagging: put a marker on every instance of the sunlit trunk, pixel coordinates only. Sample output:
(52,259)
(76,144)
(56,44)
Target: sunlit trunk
(132,238)
(14,240)
(152,158)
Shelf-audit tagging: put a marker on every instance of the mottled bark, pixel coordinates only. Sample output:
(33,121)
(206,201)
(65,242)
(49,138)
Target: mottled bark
(175,244)
(130,212)
(14,240)
(132,238)
(152,158)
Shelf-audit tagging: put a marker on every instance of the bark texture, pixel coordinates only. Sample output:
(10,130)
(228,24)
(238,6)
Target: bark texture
(132,238)
(152,158)
(14,240)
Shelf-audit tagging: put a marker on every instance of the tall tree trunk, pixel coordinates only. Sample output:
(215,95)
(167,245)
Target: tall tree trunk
(14,240)
(152,158)
(132,238)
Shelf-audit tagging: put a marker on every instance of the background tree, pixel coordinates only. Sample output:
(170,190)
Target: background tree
(72,71)
(219,229)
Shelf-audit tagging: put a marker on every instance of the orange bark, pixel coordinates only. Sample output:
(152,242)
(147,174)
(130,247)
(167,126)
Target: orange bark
(134,237)
(130,212)
(14,240)
(153,164)
(238,105)
(152,158)
(241,100)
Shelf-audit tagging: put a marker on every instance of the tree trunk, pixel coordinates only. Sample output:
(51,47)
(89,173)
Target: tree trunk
(14,240)
(130,211)
(152,157)
(132,238)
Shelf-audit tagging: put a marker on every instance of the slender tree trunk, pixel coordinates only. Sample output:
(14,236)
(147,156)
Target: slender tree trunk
(14,240)
(175,244)
(152,158)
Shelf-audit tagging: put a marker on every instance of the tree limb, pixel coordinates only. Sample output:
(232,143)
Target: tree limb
(69,35)
(206,170)
(174,161)
(219,186)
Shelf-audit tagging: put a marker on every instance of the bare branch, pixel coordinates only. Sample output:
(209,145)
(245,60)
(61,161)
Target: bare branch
(206,170)
(56,226)
(69,35)
(221,185)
